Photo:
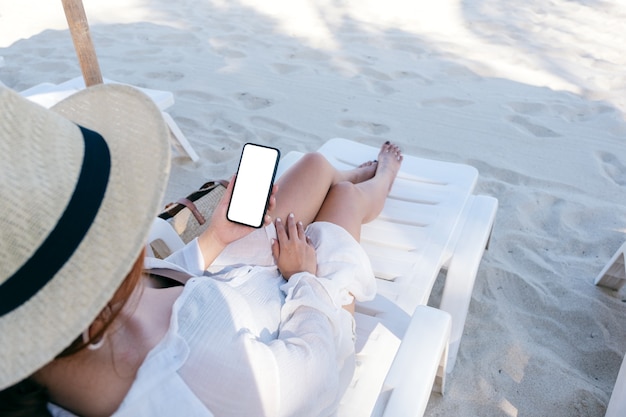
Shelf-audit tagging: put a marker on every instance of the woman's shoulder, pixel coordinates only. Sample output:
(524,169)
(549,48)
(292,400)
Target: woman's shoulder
(159,390)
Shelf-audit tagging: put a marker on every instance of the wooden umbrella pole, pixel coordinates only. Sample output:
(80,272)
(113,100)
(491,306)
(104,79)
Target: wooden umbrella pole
(79,28)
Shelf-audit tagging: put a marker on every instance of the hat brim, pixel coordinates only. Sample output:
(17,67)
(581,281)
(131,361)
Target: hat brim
(138,140)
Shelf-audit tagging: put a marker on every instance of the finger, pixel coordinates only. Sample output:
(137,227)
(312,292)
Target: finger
(222,206)
(272,203)
(300,228)
(281,233)
(267,220)
(291,226)
(229,189)
(231,183)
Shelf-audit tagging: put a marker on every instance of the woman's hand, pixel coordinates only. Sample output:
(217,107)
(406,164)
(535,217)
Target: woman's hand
(293,252)
(226,231)
(221,231)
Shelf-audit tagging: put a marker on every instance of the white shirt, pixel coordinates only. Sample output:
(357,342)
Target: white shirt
(245,342)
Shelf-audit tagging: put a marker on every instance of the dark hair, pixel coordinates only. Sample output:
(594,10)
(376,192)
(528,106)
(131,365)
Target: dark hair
(113,307)
(28,398)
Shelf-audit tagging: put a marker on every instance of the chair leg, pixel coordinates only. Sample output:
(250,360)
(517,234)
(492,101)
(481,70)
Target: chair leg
(179,137)
(614,273)
(617,403)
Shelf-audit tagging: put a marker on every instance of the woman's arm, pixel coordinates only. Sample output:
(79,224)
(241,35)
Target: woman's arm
(313,356)
(304,368)
(221,231)
(302,371)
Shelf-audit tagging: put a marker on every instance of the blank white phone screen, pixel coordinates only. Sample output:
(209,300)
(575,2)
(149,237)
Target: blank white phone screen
(253,184)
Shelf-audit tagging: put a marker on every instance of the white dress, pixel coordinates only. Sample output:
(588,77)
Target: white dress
(245,342)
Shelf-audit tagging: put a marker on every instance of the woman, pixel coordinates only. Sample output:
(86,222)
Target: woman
(263,334)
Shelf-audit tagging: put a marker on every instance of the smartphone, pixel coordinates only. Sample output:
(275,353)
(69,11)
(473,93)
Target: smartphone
(253,185)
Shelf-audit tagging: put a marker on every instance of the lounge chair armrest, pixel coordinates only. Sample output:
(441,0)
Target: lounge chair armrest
(419,362)
(163,238)
(463,267)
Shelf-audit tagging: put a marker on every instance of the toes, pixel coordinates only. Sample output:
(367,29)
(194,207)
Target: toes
(367,164)
(394,149)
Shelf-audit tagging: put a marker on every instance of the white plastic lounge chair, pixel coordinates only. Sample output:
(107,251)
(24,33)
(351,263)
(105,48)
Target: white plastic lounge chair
(613,276)
(48,94)
(617,403)
(163,238)
(431,221)
(614,273)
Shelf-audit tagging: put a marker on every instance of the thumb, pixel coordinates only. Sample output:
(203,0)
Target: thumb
(275,248)
(231,185)
(228,192)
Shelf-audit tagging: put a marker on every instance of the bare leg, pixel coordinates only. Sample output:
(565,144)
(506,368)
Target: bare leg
(349,205)
(303,188)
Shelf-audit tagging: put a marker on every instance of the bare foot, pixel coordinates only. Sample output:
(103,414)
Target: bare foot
(389,161)
(363,172)
(387,165)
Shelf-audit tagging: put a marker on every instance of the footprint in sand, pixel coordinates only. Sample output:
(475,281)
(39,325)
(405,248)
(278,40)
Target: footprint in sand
(381,88)
(377,81)
(269,124)
(446,102)
(284,69)
(221,124)
(230,53)
(165,75)
(570,112)
(200,97)
(613,168)
(252,102)
(309,55)
(377,75)
(534,129)
(369,127)
(410,75)
(408,46)
(281,129)
(527,108)
(170,38)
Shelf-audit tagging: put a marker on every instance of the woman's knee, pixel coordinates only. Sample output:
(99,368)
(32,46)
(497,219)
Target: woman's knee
(343,207)
(352,198)
(341,197)
(316,162)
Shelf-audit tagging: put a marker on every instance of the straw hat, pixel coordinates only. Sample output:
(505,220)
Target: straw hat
(75,213)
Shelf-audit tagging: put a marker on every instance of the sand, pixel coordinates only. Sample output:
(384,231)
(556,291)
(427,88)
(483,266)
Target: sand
(531,93)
